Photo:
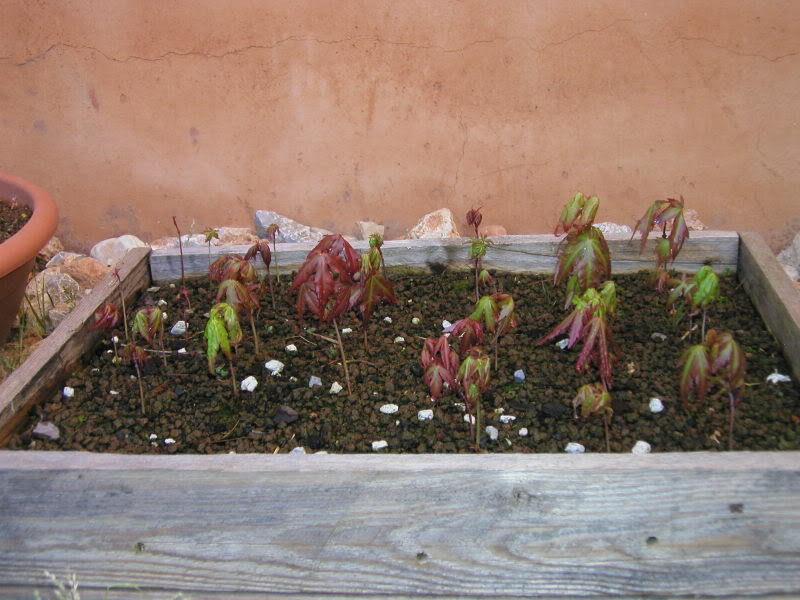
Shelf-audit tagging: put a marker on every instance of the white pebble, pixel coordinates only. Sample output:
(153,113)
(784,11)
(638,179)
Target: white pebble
(658,337)
(152,437)
(115,339)
(291,348)
(95,370)
(153,289)
(425,415)
(399,340)
(446,324)
(563,343)
(506,419)
(298,450)
(172,286)
(162,302)
(380,445)
(656,405)
(574,448)
(179,328)
(469,419)
(293,379)
(523,432)
(776,377)
(389,409)
(113,392)
(181,350)
(68,392)
(387,319)
(274,367)
(347,330)
(314,380)
(519,375)
(249,383)
(336,387)
(169,441)
(492,432)
(415,321)
(641,447)
(164,316)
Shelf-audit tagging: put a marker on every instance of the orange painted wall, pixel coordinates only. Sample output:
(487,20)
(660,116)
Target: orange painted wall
(331,111)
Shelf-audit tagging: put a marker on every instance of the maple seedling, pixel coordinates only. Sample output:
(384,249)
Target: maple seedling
(107,316)
(473,379)
(439,365)
(272,232)
(496,314)
(182,292)
(698,293)
(137,355)
(149,324)
(221,334)
(590,321)
(243,297)
(584,260)
(210,234)
(718,361)
(468,332)
(261,248)
(375,245)
(325,286)
(232,266)
(371,288)
(594,398)
(477,248)
(663,213)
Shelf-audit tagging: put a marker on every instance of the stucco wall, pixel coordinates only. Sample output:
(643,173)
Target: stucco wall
(131,111)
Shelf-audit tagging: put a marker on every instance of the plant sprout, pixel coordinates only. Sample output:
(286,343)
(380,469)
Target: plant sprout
(222,332)
(242,297)
(261,248)
(210,234)
(477,248)
(149,323)
(473,379)
(272,234)
(698,292)
(593,398)
(136,354)
(371,287)
(182,292)
(497,314)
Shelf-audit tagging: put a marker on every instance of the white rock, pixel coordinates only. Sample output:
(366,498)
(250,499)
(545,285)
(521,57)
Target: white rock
(152,437)
(574,448)
(169,441)
(364,229)
(274,367)
(399,340)
(293,379)
(425,415)
(113,392)
(506,419)
(164,316)
(161,302)
(249,383)
(380,445)
(154,289)
(469,419)
(523,432)
(298,450)
(314,380)
(46,430)
(608,227)
(778,378)
(656,405)
(641,447)
(387,319)
(179,328)
(435,225)
(181,350)
(657,337)
(389,409)
(291,348)
(446,324)
(415,321)
(290,230)
(792,272)
(347,330)
(492,432)
(109,252)
(68,392)
(115,339)
(519,375)
(336,387)
(563,344)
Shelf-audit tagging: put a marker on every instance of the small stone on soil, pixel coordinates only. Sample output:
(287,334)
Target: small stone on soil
(152,437)
(523,432)
(774,377)
(179,328)
(657,337)
(389,409)
(415,321)
(291,348)
(469,419)
(298,450)
(506,419)
(249,383)
(347,330)
(336,387)
(45,430)
(563,343)
(169,441)
(181,350)
(314,380)
(641,447)
(274,367)
(519,375)
(492,432)
(656,405)
(68,392)
(399,340)
(446,324)
(380,445)
(387,319)
(574,448)
(425,415)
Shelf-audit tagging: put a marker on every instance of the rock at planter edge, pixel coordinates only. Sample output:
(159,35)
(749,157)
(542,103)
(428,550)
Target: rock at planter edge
(87,271)
(492,230)
(608,227)
(63,258)
(436,225)
(290,230)
(45,430)
(364,229)
(109,252)
(53,247)
(52,295)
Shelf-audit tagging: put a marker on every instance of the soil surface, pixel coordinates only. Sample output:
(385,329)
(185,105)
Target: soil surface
(13,217)
(201,415)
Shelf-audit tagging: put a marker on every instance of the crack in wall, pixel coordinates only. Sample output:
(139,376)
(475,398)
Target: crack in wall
(464,127)
(733,50)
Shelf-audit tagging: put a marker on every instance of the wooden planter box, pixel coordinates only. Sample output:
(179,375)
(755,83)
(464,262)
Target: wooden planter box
(451,526)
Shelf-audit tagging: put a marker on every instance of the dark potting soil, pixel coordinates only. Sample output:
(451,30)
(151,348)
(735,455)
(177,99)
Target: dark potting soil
(200,413)
(13,217)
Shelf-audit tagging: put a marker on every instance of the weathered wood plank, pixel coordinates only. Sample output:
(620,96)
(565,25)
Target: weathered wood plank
(39,375)
(773,295)
(458,526)
(525,253)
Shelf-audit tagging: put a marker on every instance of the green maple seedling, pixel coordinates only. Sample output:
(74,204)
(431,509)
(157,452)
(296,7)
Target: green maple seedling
(222,334)
(594,398)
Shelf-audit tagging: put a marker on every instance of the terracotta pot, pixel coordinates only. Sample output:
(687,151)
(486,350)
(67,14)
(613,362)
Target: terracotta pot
(17,253)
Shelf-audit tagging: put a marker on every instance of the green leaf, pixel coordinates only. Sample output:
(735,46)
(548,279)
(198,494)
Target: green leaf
(695,372)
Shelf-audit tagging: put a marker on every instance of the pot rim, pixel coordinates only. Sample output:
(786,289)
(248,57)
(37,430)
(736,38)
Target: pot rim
(24,245)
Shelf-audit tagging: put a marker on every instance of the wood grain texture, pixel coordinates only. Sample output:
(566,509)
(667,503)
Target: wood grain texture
(39,375)
(451,526)
(523,253)
(773,295)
